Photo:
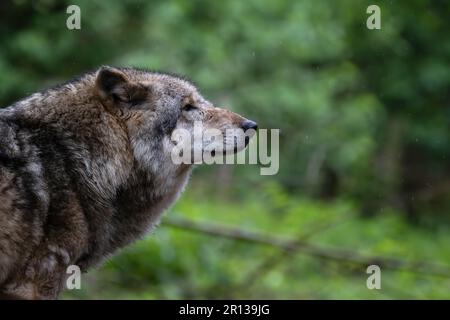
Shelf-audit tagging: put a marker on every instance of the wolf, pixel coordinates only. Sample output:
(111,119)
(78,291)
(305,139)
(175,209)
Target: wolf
(85,169)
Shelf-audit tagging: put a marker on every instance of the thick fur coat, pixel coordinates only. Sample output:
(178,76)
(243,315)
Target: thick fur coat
(85,169)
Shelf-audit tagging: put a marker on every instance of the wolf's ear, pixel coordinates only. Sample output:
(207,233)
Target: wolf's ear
(114,88)
(112,84)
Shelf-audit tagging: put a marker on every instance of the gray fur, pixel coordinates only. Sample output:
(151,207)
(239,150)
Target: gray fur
(85,169)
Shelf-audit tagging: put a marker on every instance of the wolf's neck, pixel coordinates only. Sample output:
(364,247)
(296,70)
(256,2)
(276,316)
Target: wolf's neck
(141,203)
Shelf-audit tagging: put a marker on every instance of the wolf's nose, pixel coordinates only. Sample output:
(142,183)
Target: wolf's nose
(249,124)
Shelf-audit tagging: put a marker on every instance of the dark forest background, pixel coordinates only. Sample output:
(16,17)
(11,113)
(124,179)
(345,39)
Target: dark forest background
(364,147)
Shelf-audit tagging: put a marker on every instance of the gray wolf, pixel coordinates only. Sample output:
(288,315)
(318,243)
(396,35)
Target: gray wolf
(85,169)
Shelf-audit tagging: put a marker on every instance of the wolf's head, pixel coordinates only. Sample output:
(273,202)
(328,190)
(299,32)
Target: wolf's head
(164,113)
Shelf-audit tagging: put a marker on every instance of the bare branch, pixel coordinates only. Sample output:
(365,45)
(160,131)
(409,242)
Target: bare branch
(301,246)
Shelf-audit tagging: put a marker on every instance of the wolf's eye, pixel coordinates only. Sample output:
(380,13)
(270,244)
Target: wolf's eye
(189,107)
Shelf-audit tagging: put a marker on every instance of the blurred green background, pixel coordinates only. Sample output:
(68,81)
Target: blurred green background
(364,145)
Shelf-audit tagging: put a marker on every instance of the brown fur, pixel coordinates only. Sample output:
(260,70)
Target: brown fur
(85,169)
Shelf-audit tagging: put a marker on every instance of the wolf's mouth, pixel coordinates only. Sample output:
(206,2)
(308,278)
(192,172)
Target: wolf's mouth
(237,146)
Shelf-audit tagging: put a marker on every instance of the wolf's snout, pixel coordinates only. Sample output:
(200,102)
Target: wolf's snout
(249,124)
